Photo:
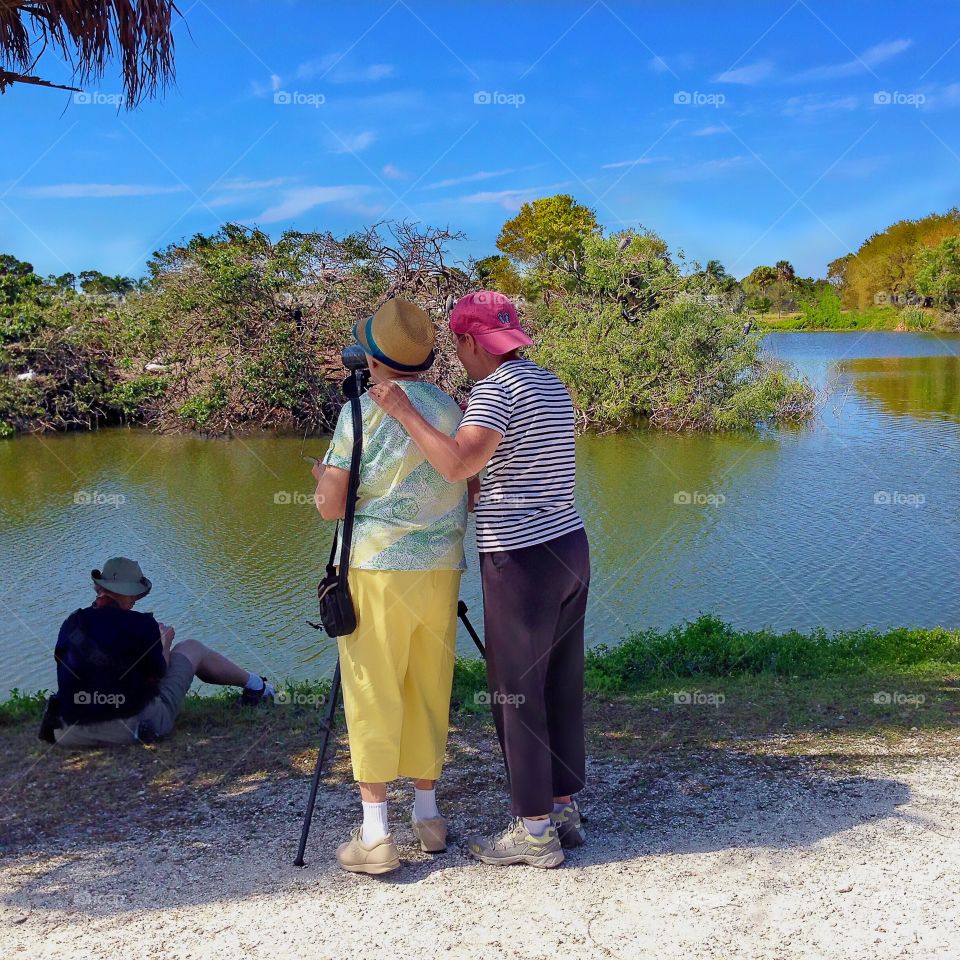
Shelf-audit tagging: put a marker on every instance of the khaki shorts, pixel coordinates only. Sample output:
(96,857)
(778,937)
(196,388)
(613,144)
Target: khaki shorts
(155,720)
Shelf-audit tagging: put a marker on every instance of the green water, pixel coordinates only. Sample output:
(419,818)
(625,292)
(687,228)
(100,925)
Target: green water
(853,520)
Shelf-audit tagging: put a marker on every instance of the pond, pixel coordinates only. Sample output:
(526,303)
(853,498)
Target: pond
(853,520)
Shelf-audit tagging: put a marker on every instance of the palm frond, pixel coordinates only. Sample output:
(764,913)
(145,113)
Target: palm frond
(89,34)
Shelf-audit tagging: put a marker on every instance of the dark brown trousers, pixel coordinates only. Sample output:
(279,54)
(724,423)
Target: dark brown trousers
(534,601)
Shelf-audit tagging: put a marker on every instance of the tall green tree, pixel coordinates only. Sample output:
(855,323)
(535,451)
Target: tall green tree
(938,274)
(548,234)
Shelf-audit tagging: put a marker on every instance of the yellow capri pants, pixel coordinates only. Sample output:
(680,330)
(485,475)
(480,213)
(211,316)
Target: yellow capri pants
(397,671)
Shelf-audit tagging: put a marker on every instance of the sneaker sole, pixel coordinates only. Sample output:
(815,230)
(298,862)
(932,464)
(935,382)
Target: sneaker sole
(546,863)
(373,869)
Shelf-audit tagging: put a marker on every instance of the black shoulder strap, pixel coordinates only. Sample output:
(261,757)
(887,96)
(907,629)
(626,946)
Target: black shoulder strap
(353,485)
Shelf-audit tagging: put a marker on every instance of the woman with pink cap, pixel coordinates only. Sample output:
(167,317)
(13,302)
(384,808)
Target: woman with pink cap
(518,429)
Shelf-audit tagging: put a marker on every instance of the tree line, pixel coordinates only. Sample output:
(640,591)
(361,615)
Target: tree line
(236,329)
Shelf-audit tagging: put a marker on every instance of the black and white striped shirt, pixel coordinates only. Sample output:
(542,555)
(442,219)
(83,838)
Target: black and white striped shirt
(526,491)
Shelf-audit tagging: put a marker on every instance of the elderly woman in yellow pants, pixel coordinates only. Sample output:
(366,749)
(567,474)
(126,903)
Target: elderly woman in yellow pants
(405,567)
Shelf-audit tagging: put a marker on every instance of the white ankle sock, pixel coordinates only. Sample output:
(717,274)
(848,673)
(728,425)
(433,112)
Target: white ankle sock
(375,825)
(536,828)
(425,804)
(254,682)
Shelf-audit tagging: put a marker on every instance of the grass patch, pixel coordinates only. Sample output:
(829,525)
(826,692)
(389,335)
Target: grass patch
(706,647)
(666,698)
(869,318)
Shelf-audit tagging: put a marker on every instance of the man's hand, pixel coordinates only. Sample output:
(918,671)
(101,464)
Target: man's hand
(392,399)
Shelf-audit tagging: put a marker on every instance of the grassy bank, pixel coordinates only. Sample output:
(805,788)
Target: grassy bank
(704,650)
(660,696)
(871,318)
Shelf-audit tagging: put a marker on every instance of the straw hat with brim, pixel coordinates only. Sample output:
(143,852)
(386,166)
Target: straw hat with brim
(400,335)
(122,576)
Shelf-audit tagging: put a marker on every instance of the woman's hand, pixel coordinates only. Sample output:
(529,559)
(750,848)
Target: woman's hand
(392,399)
(317,470)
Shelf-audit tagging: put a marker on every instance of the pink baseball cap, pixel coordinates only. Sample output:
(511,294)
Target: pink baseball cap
(491,318)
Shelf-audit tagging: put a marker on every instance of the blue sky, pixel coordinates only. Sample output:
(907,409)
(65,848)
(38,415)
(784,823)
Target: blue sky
(743,132)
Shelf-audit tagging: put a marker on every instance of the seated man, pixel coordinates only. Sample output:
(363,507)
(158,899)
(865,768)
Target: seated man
(120,679)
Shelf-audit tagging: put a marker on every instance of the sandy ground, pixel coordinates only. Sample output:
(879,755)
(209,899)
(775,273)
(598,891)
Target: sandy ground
(711,854)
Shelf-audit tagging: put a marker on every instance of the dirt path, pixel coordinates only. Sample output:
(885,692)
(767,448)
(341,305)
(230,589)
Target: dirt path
(709,853)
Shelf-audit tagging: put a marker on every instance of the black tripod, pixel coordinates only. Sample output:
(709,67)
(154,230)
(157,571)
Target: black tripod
(326,728)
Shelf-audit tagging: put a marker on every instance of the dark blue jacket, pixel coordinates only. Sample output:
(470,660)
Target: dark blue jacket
(109,663)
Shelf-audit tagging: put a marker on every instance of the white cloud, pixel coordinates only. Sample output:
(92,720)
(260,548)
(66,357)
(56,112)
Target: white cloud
(940,98)
(301,199)
(332,69)
(511,200)
(753,73)
(473,177)
(629,163)
(658,65)
(811,104)
(708,131)
(345,143)
(864,63)
(374,72)
(265,89)
(239,183)
(393,172)
(708,169)
(71,191)
(858,169)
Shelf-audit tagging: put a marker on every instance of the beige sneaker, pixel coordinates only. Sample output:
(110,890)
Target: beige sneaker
(515,845)
(379,857)
(431,833)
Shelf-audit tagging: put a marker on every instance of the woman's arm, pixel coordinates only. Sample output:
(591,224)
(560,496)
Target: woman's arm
(455,458)
(331,493)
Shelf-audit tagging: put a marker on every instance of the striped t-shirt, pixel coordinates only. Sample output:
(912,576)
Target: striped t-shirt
(526,491)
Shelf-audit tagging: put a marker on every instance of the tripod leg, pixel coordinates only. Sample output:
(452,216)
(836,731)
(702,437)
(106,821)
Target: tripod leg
(462,614)
(328,721)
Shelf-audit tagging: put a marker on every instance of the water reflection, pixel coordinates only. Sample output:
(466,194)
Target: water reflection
(919,387)
(781,529)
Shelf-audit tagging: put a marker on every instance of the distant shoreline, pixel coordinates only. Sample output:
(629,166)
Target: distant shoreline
(886,319)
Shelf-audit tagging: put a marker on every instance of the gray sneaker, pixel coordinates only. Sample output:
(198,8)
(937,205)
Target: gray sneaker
(569,825)
(515,845)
